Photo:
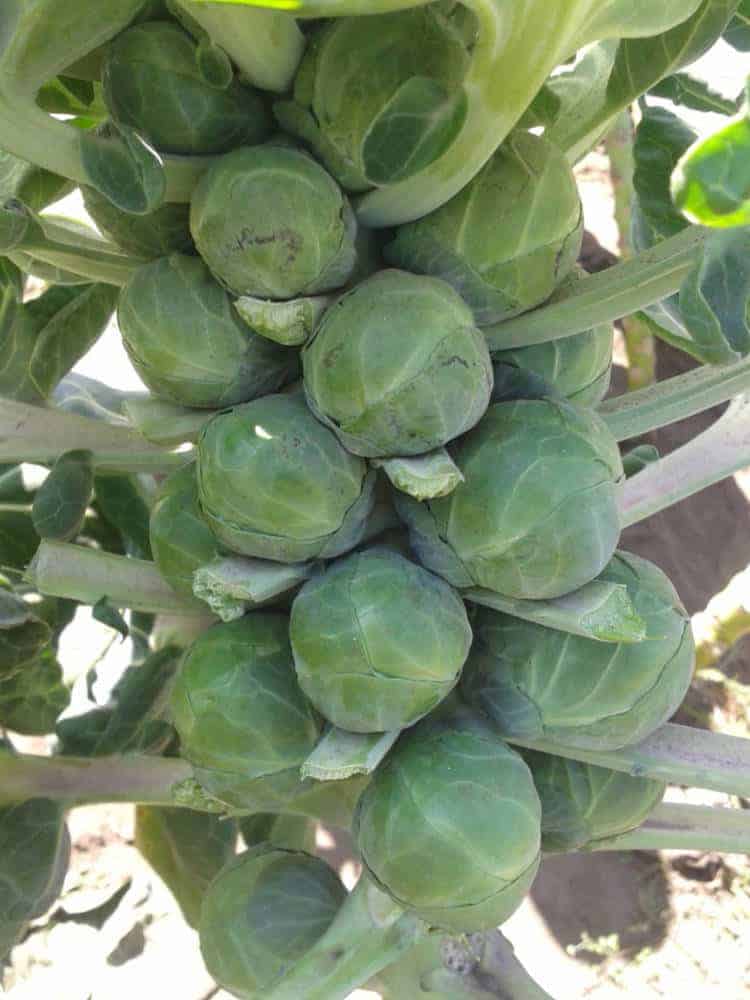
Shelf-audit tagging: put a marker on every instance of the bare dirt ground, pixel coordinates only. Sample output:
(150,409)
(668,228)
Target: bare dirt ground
(602,926)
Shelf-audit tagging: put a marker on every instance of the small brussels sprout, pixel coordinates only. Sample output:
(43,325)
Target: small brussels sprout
(449,826)
(274,482)
(262,913)
(243,721)
(535,682)
(582,803)
(181,541)
(153,83)
(508,239)
(380,98)
(270,222)
(189,345)
(164,231)
(378,641)
(397,367)
(536,516)
(577,367)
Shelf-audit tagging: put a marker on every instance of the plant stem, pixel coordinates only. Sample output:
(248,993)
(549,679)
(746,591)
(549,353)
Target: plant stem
(673,827)
(677,398)
(369,932)
(639,341)
(602,298)
(679,755)
(89,256)
(60,569)
(265,45)
(39,435)
(718,452)
(89,780)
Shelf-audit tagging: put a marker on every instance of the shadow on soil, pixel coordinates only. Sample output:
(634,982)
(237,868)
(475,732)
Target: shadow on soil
(592,897)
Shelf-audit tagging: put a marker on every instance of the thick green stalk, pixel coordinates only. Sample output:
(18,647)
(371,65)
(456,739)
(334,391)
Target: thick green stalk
(88,780)
(602,298)
(265,45)
(61,569)
(39,435)
(88,256)
(636,413)
(673,827)
(679,755)
(720,451)
(369,932)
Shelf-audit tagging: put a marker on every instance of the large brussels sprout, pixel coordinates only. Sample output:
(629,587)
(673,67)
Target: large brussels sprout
(582,803)
(397,366)
(535,682)
(536,516)
(377,641)
(157,234)
(577,367)
(270,222)
(262,913)
(243,721)
(274,482)
(153,83)
(508,238)
(181,541)
(449,826)
(379,98)
(187,342)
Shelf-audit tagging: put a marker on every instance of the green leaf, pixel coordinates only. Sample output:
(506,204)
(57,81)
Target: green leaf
(21,644)
(738,32)
(120,501)
(18,539)
(626,69)
(134,719)
(60,503)
(186,849)
(689,91)
(110,616)
(32,699)
(34,856)
(660,140)
(32,185)
(711,183)
(124,168)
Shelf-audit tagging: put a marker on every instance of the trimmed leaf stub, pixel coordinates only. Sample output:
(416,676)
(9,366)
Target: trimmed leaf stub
(598,610)
(341,754)
(234,585)
(289,323)
(423,477)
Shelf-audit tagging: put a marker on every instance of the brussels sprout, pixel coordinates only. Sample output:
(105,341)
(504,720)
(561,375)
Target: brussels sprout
(508,238)
(577,367)
(270,222)
(582,803)
(181,541)
(165,231)
(535,682)
(537,514)
(22,645)
(242,719)
(379,98)
(262,913)
(153,83)
(275,483)
(377,641)
(397,367)
(188,344)
(449,826)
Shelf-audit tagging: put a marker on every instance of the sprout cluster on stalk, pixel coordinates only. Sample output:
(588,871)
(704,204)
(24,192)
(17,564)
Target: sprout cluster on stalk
(363,526)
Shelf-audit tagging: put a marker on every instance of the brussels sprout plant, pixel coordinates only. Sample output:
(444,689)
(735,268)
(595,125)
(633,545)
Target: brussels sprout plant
(363,526)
